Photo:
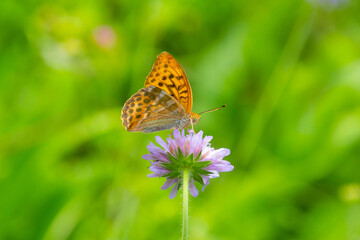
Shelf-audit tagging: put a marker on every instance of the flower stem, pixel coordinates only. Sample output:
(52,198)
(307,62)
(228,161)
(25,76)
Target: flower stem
(185,225)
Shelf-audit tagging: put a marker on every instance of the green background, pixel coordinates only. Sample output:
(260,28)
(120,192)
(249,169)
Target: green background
(289,72)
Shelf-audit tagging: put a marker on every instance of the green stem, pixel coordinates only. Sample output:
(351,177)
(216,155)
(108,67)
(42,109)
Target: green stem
(185,225)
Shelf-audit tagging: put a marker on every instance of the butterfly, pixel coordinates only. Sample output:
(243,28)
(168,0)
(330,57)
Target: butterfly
(165,102)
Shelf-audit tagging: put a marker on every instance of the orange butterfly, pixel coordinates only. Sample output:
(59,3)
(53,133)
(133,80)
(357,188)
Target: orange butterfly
(164,103)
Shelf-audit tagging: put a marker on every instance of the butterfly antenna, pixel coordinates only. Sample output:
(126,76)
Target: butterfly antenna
(212,110)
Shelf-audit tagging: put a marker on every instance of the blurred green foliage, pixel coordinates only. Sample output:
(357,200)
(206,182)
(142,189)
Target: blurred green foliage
(289,72)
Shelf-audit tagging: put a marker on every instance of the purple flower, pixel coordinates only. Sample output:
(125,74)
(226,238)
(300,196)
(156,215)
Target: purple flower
(191,152)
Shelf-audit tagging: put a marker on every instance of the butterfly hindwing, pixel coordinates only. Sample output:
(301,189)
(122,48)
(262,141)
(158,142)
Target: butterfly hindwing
(168,75)
(151,109)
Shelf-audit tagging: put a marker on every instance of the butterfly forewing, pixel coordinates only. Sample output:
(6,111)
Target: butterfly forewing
(168,75)
(151,109)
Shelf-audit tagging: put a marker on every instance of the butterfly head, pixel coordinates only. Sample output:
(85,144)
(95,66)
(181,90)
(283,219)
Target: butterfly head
(195,118)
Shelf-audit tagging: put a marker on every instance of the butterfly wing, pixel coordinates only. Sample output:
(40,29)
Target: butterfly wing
(168,75)
(150,110)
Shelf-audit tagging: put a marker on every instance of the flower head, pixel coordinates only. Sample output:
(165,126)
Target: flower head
(192,152)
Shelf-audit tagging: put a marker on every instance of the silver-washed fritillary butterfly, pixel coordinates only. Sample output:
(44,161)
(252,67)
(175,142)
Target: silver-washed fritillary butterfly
(164,103)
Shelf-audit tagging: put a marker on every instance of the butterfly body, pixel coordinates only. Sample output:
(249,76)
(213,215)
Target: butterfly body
(164,103)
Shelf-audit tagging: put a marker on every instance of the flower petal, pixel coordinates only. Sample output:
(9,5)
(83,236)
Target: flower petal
(157,152)
(196,143)
(174,191)
(204,144)
(158,170)
(205,153)
(219,153)
(206,180)
(156,167)
(180,142)
(173,149)
(154,175)
(162,143)
(158,173)
(214,174)
(169,182)
(225,168)
(153,148)
(221,166)
(193,191)
(148,157)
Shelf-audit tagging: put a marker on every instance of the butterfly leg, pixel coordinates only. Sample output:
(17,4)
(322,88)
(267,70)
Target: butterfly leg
(192,125)
(172,132)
